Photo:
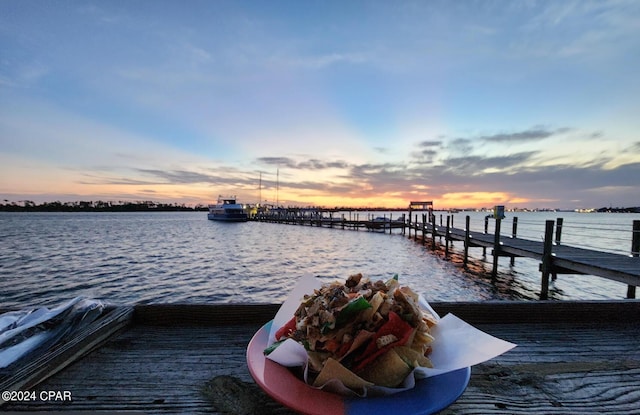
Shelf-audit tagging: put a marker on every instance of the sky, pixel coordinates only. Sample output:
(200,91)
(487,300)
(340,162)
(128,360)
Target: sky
(529,104)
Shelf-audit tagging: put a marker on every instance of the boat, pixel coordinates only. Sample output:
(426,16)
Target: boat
(382,223)
(227,209)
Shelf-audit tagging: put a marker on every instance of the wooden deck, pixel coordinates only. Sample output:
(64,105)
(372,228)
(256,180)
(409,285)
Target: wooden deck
(572,357)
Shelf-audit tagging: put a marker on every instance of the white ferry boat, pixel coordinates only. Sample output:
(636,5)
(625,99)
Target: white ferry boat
(227,209)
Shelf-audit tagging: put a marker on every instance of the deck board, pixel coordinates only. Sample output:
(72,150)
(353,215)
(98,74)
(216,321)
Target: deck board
(561,367)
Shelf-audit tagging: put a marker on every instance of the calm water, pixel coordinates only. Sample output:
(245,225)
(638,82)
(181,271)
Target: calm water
(126,258)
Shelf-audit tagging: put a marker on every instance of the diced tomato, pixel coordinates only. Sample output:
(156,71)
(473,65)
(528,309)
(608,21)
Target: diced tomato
(332,345)
(287,329)
(344,349)
(396,326)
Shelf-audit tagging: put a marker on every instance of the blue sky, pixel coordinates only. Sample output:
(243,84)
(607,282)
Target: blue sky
(360,103)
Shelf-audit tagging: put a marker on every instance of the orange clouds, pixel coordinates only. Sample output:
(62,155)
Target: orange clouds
(478,200)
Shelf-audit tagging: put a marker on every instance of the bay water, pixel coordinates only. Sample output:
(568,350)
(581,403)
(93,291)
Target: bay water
(181,257)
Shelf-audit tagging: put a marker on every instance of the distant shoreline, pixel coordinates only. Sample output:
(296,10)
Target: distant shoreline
(99,207)
(148,206)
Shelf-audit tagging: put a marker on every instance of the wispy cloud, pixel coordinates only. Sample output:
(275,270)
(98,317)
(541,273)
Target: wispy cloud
(311,164)
(538,133)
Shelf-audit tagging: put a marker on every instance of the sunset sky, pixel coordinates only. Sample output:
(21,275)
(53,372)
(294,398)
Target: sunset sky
(345,103)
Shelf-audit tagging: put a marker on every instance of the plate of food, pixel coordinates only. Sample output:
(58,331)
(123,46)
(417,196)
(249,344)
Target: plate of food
(359,346)
(283,384)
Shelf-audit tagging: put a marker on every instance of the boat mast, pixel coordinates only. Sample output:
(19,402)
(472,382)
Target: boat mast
(260,189)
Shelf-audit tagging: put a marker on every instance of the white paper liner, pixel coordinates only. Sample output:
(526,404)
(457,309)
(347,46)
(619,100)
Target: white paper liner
(457,345)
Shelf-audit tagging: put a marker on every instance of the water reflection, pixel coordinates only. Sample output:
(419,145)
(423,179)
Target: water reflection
(182,257)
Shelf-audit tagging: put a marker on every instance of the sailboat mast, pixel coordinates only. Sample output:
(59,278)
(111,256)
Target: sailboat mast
(260,189)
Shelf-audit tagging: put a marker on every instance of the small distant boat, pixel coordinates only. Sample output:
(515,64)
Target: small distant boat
(227,209)
(381,222)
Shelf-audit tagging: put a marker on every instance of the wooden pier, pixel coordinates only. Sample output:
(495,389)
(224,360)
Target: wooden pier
(555,258)
(332,218)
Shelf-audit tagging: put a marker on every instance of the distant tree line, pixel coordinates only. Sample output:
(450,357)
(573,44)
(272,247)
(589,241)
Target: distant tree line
(148,206)
(97,206)
(635,209)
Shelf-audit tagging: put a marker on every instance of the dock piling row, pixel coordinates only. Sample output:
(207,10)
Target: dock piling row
(554,256)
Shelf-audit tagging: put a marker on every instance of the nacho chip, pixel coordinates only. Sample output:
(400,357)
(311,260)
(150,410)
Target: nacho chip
(395,326)
(388,369)
(334,370)
(412,357)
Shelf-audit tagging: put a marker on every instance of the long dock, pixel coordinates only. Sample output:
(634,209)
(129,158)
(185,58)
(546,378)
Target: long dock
(555,258)
(330,218)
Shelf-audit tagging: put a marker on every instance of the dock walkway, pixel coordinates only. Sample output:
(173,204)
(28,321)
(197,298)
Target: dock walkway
(555,257)
(571,357)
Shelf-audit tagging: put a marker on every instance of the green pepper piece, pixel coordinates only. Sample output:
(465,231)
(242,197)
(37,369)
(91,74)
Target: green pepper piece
(326,327)
(352,308)
(273,347)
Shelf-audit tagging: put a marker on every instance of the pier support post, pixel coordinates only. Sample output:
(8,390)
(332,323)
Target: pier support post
(635,252)
(433,234)
(559,221)
(446,238)
(486,230)
(514,233)
(467,240)
(547,257)
(496,249)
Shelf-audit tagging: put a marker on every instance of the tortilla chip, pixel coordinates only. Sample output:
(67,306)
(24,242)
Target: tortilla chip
(334,370)
(376,301)
(361,338)
(388,369)
(412,357)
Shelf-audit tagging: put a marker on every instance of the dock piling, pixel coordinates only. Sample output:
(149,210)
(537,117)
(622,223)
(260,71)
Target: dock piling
(446,238)
(555,258)
(514,233)
(496,249)
(433,233)
(467,239)
(559,222)
(635,252)
(486,231)
(547,257)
